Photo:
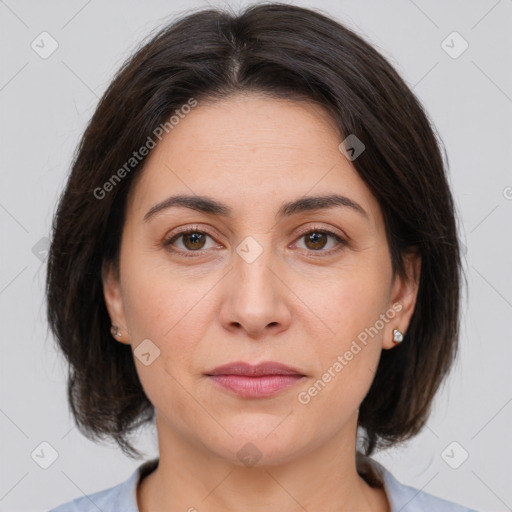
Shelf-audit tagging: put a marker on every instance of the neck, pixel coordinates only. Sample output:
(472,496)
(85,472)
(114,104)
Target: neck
(188,477)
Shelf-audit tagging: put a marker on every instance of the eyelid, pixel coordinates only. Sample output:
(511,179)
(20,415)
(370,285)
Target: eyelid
(186,230)
(317,227)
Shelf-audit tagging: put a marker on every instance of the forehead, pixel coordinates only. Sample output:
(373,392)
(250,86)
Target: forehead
(254,127)
(251,150)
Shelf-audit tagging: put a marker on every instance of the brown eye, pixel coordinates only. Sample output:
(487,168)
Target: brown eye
(187,242)
(316,240)
(194,240)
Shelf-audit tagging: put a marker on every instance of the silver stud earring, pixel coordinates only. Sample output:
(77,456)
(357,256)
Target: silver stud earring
(115,331)
(398,337)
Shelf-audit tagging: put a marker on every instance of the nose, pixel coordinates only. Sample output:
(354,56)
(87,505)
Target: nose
(255,298)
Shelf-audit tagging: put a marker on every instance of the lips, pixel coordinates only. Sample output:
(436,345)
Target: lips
(258,370)
(255,381)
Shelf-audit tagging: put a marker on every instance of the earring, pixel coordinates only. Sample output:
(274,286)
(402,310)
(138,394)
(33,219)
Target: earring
(115,331)
(398,337)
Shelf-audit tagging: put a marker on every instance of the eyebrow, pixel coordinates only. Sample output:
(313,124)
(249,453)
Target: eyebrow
(208,205)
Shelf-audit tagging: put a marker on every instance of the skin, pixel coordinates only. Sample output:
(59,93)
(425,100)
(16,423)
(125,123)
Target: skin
(290,305)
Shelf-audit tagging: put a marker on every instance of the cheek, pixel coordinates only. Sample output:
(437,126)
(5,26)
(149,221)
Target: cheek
(159,308)
(346,303)
(348,315)
(157,301)
(173,309)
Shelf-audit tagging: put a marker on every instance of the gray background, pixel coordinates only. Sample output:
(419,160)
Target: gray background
(45,104)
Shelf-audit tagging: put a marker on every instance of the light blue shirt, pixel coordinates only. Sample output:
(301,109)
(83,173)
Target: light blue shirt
(123,497)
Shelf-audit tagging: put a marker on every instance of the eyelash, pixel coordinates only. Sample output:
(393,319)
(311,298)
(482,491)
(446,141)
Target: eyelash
(167,243)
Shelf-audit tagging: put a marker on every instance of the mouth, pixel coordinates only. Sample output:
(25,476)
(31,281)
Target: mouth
(255,381)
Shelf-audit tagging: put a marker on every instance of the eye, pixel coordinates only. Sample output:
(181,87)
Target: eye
(316,239)
(192,240)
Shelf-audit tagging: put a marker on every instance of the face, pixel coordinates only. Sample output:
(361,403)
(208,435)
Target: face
(255,281)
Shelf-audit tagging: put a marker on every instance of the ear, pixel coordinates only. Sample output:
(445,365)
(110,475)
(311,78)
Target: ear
(403,297)
(114,301)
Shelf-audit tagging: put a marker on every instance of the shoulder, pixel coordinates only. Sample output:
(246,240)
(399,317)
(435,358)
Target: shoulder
(405,498)
(119,498)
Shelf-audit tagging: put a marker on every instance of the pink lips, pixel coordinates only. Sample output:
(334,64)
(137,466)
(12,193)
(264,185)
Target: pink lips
(255,381)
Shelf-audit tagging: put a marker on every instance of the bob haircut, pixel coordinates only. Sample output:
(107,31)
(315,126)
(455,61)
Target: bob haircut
(281,51)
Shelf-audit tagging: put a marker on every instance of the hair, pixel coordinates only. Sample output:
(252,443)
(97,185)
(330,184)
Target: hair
(282,51)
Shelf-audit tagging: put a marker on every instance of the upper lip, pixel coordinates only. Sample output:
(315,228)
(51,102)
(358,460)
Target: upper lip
(257,370)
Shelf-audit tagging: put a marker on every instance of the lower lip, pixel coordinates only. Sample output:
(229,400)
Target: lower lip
(256,387)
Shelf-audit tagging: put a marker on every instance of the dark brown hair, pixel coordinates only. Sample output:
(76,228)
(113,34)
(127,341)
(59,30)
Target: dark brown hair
(286,52)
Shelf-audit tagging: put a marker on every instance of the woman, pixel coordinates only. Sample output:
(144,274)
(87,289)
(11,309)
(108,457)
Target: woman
(257,249)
